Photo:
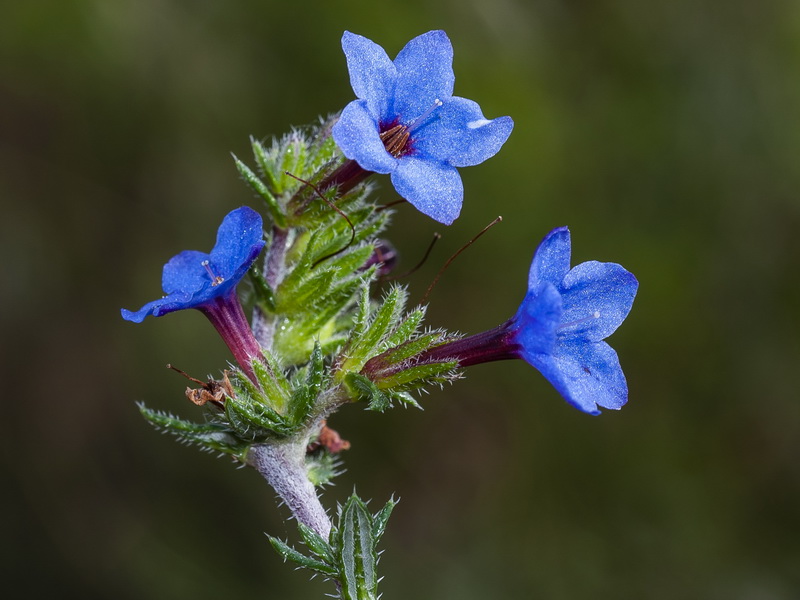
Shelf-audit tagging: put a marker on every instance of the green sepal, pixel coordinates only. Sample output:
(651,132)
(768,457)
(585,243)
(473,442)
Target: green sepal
(265,295)
(276,406)
(293,158)
(306,392)
(255,421)
(285,154)
(266,160)
(261,189)
(295,340)
(418,375)
(411,348)
(290,554)
(275,389)
(407,328)
(362,388)
(369,334)
(309,277)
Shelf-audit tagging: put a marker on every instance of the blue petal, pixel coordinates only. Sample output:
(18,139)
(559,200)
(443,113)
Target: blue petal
(184,273)
(372,73)
(586,374)
(434,189)
(551,261)
(162,306)
(424,74)
(597,298)
(356,134)
(139,315)
(186,279)
(537,319)
(239,242)
(459,134)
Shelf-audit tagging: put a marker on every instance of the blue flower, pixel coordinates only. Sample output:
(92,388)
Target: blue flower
(195,279)
(560,326)
(407,123)
(564,318)
(207,282)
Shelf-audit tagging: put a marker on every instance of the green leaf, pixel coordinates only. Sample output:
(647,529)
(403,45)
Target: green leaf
(384,319)
(289,553)
(294,159)
(316,543)
(322,467)
(404,398)
(358,558)
(210,436)
(380,520)
(416,376)
(258,186)
(275,389)
(406,328)
(256,421)
(361,388)
(411,348)
(306,392)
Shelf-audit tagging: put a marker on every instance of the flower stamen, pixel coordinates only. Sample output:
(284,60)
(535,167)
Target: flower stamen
(421,119)
(594,315)
(215,279)
(395,140)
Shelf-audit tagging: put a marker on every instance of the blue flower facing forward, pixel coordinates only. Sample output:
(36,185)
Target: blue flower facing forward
(406,122)
(560,326)
(207,282)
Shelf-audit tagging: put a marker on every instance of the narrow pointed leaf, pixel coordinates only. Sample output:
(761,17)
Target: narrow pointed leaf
(380,520)
(358,557)
(255,182)
(289,553)
(315,543)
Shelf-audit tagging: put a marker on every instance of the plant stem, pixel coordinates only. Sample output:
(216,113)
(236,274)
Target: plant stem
(283,466)
(274,270)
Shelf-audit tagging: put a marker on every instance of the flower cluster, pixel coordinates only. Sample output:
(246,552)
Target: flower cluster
(407,123)
(320,340)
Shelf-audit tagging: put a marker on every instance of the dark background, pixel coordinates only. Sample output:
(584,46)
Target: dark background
(665,134)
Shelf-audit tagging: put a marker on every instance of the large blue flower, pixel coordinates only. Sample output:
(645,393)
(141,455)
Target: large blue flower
(560,326)
(207,282)
(407,122)
(195,279)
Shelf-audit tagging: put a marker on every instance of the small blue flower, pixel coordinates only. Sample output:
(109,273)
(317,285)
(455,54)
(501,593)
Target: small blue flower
(195,279)
(564,318)
(560,326)
(406,122)
(207,282)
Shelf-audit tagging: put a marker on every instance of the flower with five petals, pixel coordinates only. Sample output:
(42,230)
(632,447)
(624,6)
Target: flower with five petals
(407,123)
(207,282)
(560,326)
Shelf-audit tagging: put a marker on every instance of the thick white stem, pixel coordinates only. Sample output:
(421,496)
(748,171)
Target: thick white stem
(283,466)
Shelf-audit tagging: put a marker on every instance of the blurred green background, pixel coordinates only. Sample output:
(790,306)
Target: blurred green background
(665,134)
